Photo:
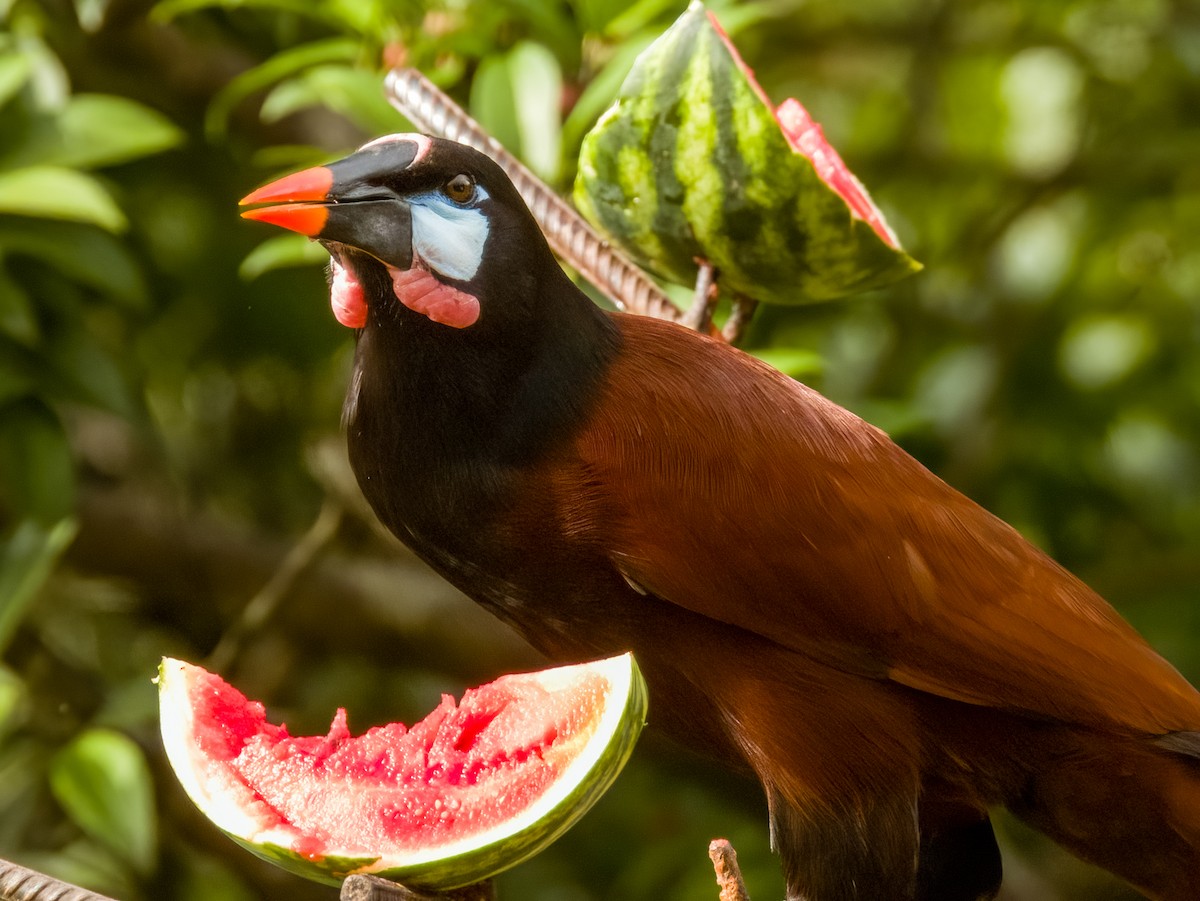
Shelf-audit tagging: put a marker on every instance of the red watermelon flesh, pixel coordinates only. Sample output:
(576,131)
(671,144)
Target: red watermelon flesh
(504,740)
(474,788)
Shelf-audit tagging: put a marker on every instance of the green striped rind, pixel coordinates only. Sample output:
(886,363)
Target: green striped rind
(582,783)
(690,162)
(330,869)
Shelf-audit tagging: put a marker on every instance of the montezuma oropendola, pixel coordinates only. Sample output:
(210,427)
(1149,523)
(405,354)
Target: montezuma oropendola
(805,599)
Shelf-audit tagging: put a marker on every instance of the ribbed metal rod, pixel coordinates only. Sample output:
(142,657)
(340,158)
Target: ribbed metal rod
(572,238)
(18,883)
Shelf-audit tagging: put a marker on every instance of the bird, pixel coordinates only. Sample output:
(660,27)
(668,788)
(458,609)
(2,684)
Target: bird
(808,603)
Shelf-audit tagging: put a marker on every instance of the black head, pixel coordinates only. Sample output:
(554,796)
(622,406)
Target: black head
(470,333)
(421,225)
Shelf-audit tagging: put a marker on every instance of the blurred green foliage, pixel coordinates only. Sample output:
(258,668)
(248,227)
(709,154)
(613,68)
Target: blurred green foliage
(170,378)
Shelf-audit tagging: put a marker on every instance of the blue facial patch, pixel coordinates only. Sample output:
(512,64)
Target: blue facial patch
(448,237)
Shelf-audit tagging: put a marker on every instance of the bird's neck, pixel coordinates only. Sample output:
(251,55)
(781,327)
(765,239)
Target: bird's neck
(442,422)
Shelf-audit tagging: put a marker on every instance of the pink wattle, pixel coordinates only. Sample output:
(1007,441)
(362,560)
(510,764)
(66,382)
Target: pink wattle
(346,297)
(421,291)
(418,289)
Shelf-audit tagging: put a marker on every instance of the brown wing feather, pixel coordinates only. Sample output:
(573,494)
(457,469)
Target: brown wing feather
(726,488)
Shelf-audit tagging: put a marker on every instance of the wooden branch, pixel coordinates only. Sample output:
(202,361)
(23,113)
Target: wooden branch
(259,610)
(704,299)
(373,888)
(739,318)
(729,875)
(194,570)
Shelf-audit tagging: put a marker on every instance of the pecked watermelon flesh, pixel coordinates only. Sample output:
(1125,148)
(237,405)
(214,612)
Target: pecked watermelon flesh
(474,788)
(693,162)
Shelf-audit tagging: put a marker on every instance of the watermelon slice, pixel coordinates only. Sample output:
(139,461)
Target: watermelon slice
(472,789)
(694,162)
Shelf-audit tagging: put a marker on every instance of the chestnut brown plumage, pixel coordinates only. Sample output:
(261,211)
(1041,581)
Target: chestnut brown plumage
(806,600)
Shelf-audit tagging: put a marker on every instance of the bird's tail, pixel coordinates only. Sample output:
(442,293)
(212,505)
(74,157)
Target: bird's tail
(1130,806)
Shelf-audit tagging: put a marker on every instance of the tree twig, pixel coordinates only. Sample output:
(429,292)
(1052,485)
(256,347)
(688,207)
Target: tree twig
(704,298)
(195,568)
(729,875)
(263,605)
(739,318)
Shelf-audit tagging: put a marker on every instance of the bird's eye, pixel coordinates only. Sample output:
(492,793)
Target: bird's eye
(460,189)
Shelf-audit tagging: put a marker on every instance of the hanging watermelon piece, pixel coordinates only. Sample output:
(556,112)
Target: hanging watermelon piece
(693,162)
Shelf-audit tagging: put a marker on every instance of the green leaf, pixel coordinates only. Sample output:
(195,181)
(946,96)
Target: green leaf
(14,73)
(288,156)
(333,15)
(48,80)
(793,361)
(206,878)
(26,561)
(278,67)
(537,94)
(103,783)
(16,311)
(37,475)
(91,13)
(517,98)
(13,699)
(492,103)
(599,93)
(354,92)
(84,254)
(635,16)
(101,130)
(86,863)
(16,371)
(281,253)
(54,192)
(22,768)
(90,372)
(552,26)
(736,15)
